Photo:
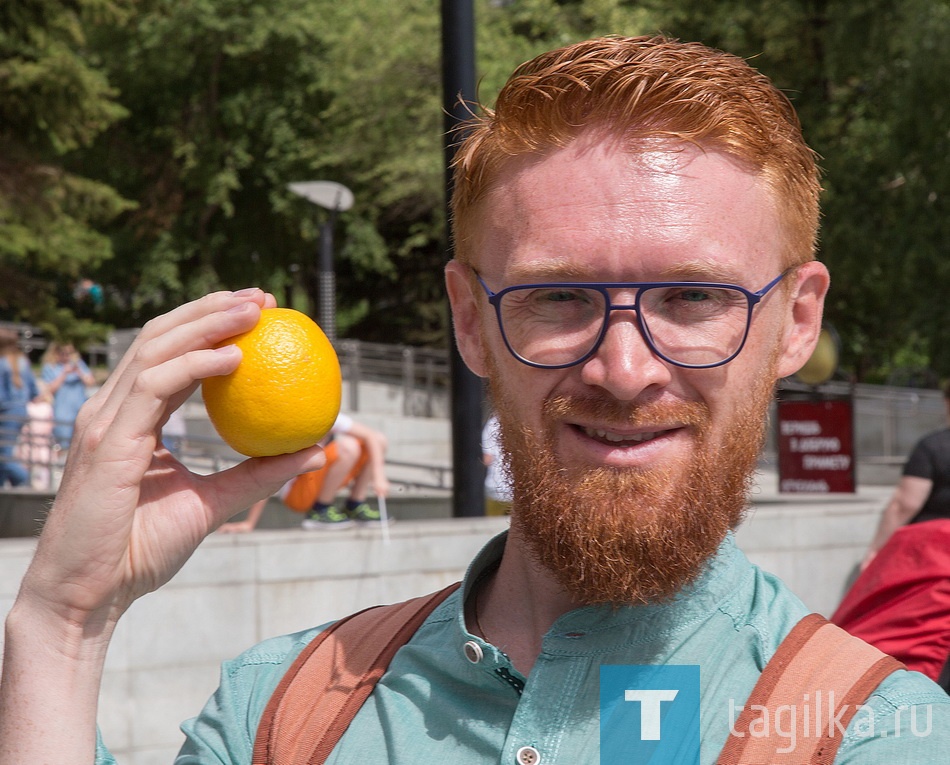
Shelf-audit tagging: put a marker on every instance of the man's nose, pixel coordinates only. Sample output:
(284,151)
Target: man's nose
(624,363)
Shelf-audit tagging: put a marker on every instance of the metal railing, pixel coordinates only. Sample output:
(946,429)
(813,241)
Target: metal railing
(211,455)
(38,453)
(44,460)
(888,420)
(422,374)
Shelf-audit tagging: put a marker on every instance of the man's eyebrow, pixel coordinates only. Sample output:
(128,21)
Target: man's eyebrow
(700,271)
(562,271)
(549,271)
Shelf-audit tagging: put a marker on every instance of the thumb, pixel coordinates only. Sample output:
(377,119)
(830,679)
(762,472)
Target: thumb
(256,478)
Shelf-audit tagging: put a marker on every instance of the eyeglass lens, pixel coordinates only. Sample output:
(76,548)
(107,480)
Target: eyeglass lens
(688,324)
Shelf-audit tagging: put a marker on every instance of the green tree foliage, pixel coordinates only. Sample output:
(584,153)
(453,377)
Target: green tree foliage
(202,111)
(54,99)
(225,101)
(869,82)
(229,100)
(384,134)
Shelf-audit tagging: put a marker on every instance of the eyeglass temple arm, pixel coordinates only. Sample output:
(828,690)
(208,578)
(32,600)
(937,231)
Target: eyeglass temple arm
(765,290)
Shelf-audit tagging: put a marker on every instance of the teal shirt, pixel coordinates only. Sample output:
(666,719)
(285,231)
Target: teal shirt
(436,705)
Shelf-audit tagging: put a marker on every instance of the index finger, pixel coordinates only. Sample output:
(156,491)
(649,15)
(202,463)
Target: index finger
(197,325)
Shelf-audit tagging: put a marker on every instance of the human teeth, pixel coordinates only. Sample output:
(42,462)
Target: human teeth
(617,437)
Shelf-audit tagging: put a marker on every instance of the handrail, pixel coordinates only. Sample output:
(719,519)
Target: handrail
(423,374)
(208,454)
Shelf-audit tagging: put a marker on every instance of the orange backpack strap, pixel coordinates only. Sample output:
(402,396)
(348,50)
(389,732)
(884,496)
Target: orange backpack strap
(822,675)
(315,701)
(819,668)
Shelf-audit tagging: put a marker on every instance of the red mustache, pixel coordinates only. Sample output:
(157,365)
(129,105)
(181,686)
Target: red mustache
(625,414)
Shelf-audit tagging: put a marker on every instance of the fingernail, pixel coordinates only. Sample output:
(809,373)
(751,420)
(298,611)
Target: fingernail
(246,291)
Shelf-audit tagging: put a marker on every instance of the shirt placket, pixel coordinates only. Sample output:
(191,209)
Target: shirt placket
(544,713)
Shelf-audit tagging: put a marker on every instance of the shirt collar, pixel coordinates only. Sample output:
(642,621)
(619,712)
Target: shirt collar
(602,626)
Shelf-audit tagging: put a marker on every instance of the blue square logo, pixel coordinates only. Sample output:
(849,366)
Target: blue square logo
(649,715)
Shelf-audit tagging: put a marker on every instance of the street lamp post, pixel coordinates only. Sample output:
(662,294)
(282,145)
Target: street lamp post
(458,91)
(336,198)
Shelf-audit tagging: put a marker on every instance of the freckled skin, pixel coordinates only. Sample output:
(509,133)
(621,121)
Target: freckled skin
(590,212)
(673,213)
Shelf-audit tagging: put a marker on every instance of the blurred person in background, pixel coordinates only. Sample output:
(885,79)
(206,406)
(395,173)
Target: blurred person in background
(17,389)
(35,447)
(356,463)
(497,480)
(900,600)
(923,493)
(67,377)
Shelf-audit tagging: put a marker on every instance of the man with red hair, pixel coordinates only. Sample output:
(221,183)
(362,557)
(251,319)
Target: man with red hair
(635,226)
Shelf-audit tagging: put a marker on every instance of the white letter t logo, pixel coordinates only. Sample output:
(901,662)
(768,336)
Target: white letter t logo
(649,711)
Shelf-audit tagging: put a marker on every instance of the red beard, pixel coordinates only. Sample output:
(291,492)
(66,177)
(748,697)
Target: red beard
(629,536)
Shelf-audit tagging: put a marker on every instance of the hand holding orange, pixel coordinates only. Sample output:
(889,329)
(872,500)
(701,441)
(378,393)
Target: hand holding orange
(285,394)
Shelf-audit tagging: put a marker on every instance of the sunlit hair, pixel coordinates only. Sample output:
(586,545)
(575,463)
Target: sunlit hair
(10,350)
(637,91)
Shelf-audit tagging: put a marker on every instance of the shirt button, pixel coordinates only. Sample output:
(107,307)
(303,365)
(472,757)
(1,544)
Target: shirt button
(528,755)
(473,652)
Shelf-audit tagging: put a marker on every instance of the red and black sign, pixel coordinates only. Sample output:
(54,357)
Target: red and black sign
(816,446)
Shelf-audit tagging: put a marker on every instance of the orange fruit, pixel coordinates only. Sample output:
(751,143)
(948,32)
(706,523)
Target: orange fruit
(284,395)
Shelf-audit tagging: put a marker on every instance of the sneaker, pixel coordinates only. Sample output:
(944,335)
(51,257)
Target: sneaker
(366,513)
(328,518)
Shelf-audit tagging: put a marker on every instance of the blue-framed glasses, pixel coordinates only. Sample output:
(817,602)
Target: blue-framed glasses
(696,325)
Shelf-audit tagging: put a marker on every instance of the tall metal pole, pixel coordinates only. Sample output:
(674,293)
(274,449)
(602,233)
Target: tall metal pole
(458,88)
(336,198)
(327,284)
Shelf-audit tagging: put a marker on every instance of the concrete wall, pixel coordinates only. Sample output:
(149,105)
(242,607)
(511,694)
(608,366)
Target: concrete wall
(813,543)
(237,590)
(23,511)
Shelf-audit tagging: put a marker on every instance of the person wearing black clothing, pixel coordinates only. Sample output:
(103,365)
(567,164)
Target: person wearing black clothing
(923,493)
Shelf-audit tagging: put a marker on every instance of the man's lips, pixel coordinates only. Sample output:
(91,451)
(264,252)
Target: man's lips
(613,437)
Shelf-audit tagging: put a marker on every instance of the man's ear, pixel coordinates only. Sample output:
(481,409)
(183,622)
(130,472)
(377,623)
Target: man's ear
(466,318)
(803,322)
